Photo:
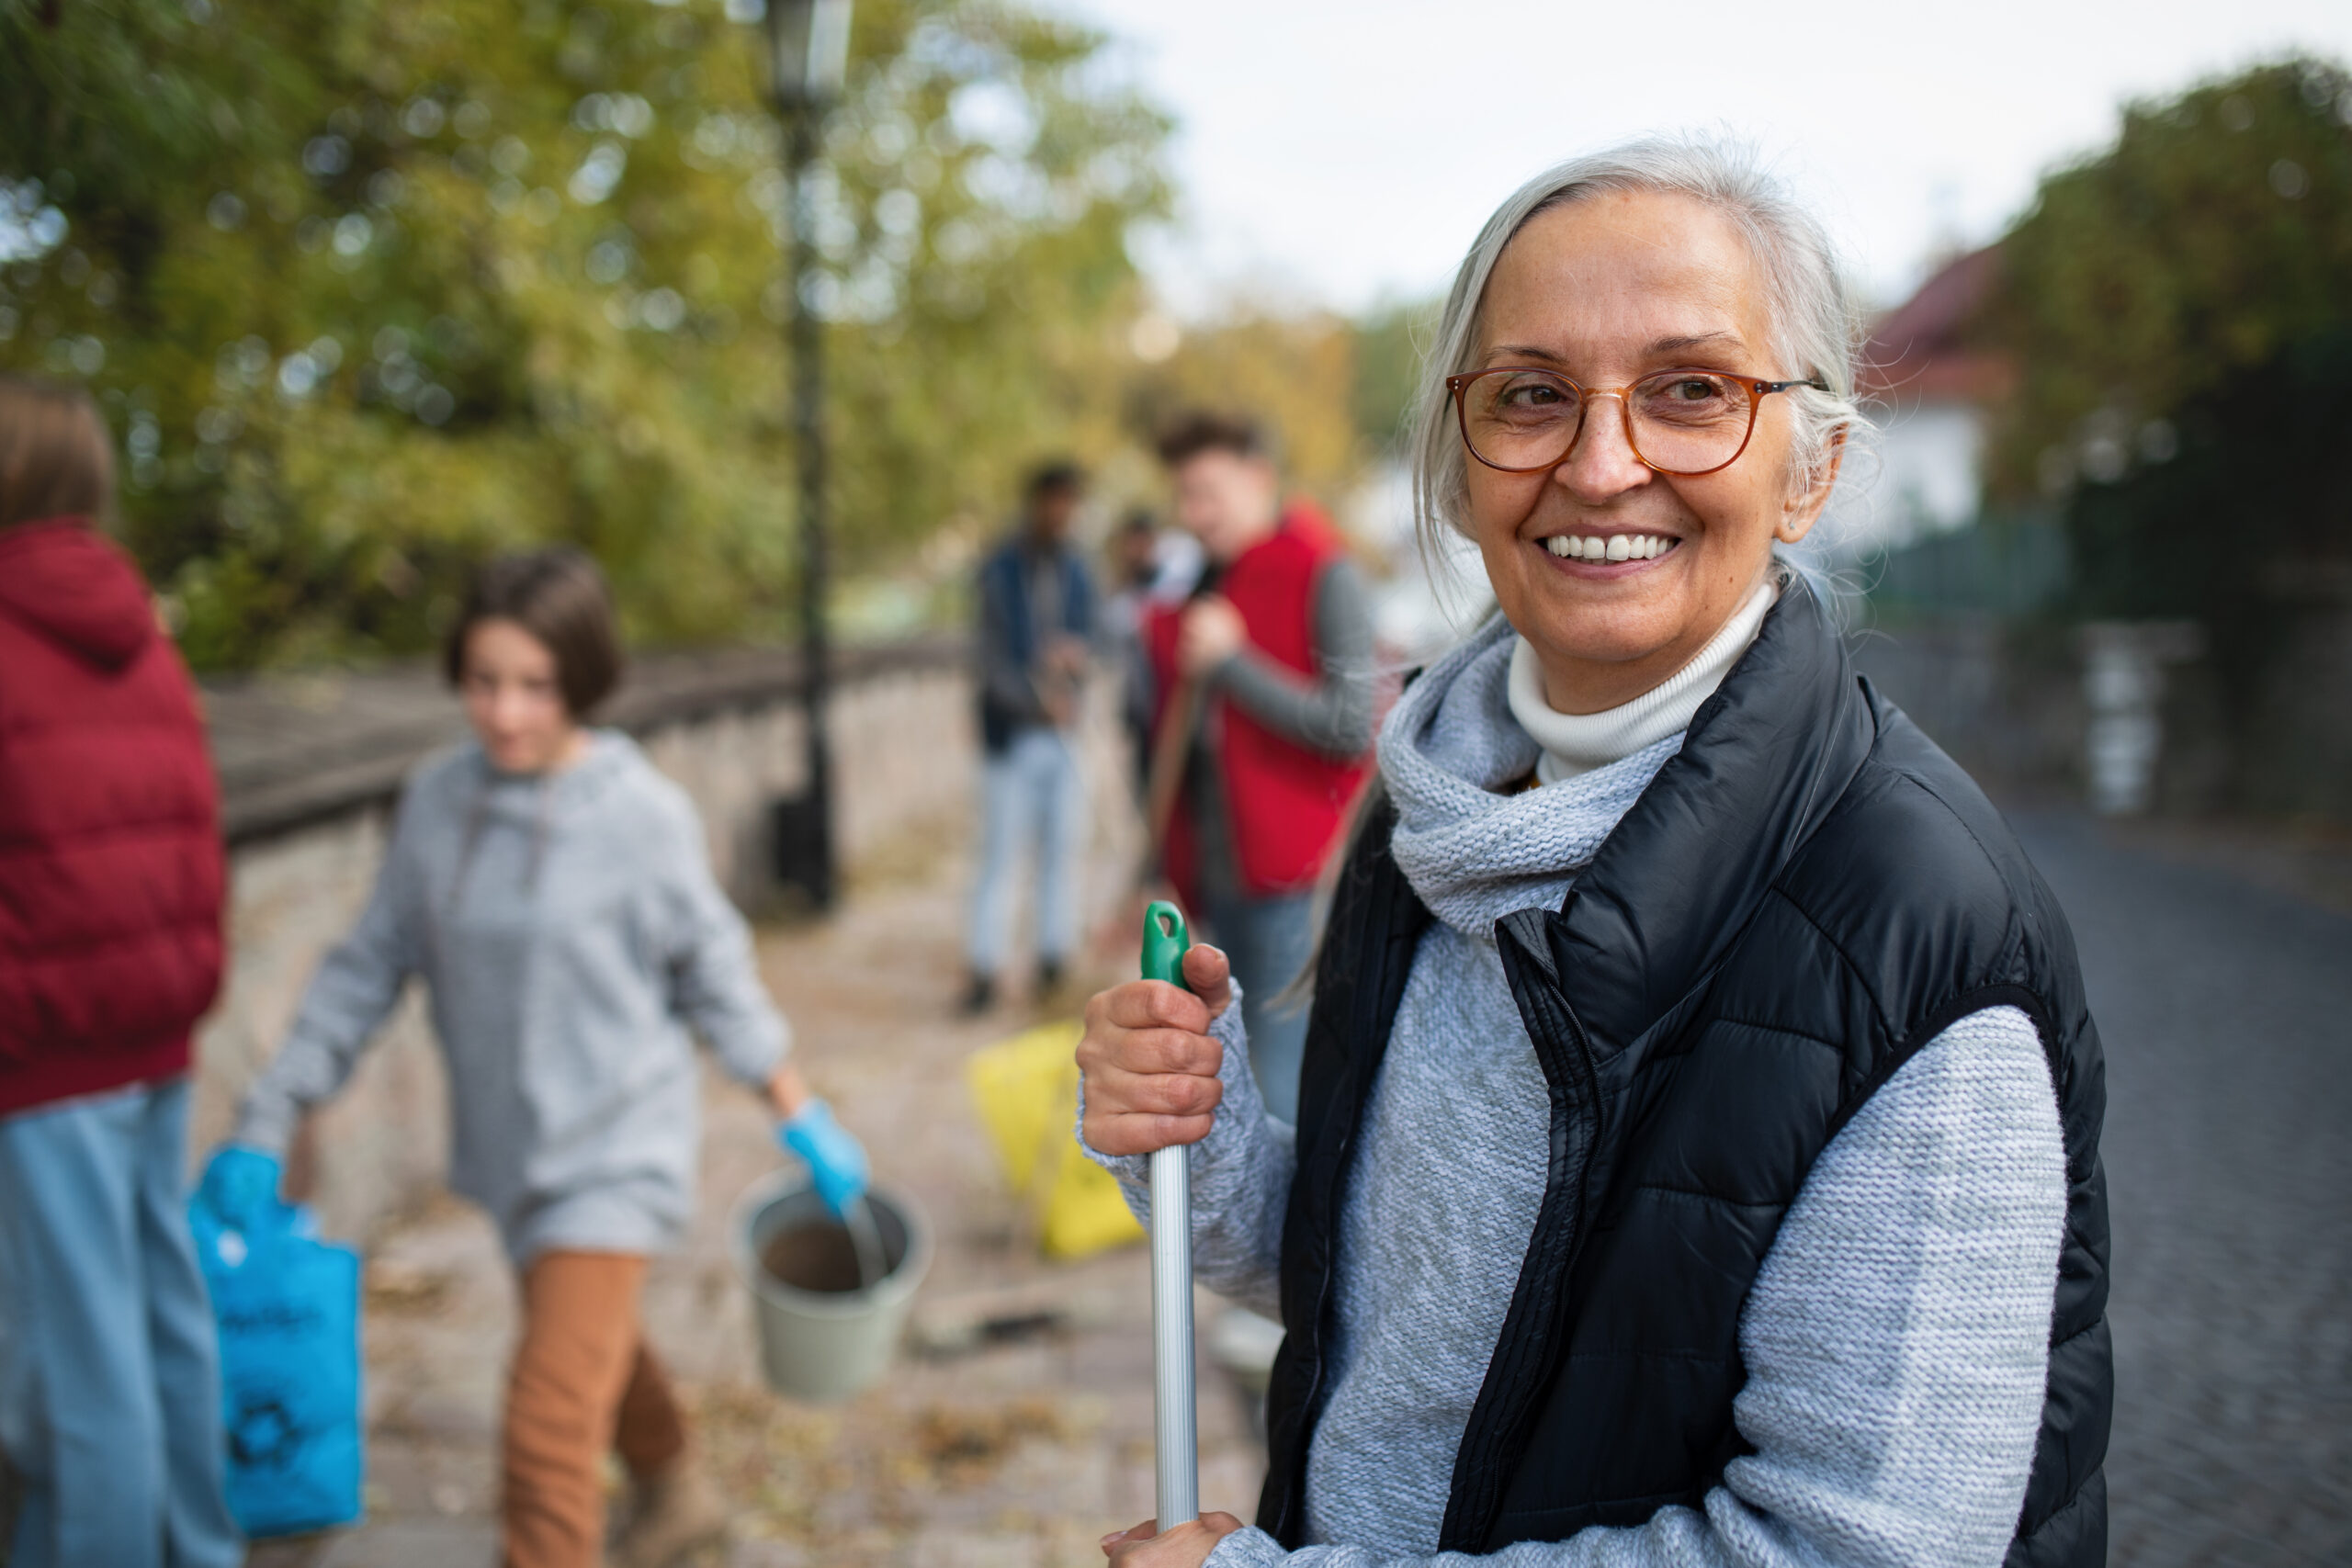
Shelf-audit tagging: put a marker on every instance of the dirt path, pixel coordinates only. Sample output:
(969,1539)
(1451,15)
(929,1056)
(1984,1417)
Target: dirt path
(1022,1450)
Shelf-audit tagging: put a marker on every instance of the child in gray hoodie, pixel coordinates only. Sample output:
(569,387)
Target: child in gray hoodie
(553,891)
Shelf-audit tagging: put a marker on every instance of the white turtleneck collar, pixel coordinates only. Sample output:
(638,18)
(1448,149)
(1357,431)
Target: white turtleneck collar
(1576,743)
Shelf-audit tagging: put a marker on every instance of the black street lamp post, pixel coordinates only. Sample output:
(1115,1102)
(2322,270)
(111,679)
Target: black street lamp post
(809,54)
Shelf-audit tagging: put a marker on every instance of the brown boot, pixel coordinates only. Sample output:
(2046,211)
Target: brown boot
(677,1512)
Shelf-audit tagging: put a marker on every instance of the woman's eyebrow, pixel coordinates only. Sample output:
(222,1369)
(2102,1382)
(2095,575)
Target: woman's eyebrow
(1702,340)
(1521,350)
(1657,347)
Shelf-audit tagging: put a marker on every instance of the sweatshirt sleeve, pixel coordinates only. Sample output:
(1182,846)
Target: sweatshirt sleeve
(1241,1175)
(714,972)
(355,990)
(1331,712)
(1897,1341)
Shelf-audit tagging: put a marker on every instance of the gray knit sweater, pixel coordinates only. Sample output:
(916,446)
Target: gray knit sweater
(1896,1337)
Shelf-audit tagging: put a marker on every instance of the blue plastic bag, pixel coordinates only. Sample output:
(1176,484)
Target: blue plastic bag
(288,1308)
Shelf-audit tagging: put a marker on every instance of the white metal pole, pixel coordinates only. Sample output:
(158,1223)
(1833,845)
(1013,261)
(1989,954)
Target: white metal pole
(1177,1457)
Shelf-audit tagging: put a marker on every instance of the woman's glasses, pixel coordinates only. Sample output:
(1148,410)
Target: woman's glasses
(1683,422)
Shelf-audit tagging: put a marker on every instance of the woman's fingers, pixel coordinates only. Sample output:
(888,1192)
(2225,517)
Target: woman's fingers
(1137,1133)
(1146,1113)
(1149,1051)
(1146,1004)
(1150,1069)
(1174,1094)
(1186,1546)
(1210,974)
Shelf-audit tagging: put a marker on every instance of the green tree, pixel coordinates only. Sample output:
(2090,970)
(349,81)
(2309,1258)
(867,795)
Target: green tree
(2216,231)
(372,290)
(2180,308)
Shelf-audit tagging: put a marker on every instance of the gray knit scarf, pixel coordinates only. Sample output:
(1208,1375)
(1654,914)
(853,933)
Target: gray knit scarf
(1474,855)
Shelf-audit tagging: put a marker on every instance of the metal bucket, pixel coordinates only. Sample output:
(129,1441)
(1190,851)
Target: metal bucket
(824,1345)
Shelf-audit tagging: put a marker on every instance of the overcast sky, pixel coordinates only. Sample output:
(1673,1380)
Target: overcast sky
(1343,153)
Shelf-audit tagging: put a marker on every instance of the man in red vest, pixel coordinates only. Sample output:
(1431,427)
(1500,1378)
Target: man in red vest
(1263,709)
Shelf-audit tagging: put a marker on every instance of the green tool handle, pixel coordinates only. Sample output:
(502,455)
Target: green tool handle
(1165,940)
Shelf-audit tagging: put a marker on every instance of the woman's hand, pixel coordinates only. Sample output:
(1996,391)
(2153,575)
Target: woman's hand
(1151,1067)
(1186,1546)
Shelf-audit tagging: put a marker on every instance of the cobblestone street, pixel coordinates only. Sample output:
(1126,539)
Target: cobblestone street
(2226,1009)
(2224,1004)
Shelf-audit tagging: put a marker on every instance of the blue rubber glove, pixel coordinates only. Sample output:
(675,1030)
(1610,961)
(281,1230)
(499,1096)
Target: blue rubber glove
(239,1186)
(836,1160)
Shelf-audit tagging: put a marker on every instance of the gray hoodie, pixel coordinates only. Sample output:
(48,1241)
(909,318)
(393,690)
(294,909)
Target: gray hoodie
(570,934)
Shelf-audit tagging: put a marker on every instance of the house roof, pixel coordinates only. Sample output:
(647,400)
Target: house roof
(1919,351)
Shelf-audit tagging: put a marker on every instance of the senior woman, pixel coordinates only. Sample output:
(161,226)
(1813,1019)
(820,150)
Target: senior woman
(1697,1153)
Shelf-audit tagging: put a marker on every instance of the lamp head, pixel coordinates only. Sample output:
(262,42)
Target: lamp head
(808,52)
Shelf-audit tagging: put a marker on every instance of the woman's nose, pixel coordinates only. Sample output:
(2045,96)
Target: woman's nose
(1601,463)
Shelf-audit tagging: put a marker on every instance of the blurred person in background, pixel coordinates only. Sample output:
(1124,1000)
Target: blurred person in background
(1152,567)
(111,887)
(1036,618)
(1697,1162)
(1262,696)
(553,891)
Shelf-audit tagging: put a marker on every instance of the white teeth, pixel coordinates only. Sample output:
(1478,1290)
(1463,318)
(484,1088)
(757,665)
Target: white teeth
(1615,547)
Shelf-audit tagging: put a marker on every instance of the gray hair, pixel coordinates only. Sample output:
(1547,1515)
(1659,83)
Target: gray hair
(1812,317)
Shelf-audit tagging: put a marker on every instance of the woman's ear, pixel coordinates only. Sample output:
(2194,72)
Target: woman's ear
(1811,492)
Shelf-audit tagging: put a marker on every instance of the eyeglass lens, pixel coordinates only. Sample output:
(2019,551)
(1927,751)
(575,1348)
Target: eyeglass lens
(1683,421)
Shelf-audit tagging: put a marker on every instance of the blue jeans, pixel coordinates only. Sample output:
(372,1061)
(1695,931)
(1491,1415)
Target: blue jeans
(1031,796)
(1269,941)
(110,1379)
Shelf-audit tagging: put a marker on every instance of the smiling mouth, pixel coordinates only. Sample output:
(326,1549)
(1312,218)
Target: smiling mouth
(1610,546)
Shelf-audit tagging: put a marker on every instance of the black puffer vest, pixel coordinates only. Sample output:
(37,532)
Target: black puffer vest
(1803,897)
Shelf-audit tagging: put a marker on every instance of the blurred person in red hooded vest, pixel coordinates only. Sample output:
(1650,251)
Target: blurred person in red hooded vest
(1263,699)
(111,883)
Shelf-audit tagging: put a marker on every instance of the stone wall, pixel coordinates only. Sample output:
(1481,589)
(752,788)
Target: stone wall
(303,861)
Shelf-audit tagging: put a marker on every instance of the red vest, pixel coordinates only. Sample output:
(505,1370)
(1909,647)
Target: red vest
(1284,804)
(110,863)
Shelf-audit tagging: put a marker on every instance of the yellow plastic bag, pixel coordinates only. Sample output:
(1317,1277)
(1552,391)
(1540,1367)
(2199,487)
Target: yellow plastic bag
(1026,1089)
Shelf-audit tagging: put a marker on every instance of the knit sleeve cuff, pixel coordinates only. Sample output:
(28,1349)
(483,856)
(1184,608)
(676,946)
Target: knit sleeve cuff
(1249,1547)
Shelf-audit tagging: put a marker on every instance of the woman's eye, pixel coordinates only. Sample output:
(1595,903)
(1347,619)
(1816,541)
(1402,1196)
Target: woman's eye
(1694,389)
